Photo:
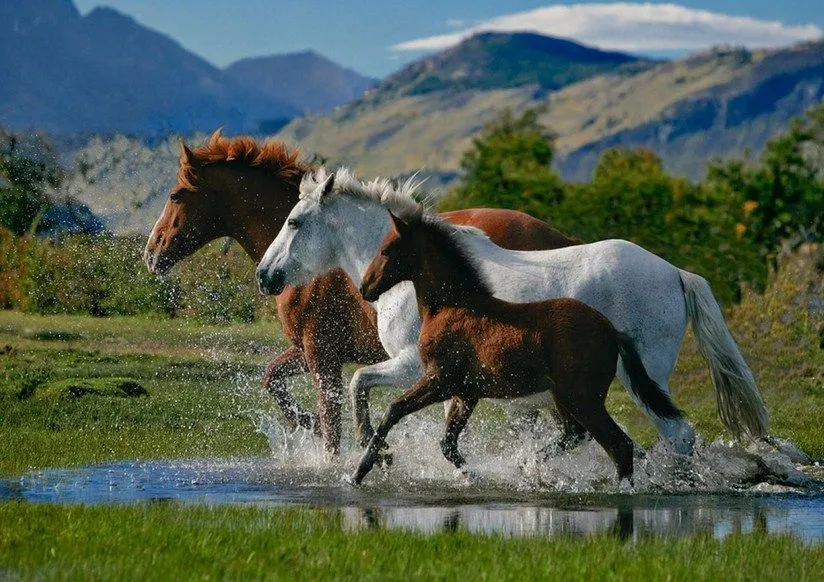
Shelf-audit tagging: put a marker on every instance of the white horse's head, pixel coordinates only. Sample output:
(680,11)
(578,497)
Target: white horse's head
(338,222)
(303,247)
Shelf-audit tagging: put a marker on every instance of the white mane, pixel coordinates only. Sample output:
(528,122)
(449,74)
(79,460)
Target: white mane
(397,198)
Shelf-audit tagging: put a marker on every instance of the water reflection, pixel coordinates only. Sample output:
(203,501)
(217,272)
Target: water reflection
(428,507)
(643,517)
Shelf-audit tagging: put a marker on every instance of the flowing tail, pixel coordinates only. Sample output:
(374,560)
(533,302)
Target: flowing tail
(739,402)
(645,389)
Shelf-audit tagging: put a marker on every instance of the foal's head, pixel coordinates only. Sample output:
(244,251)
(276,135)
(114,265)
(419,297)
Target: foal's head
(428,251)
(225,187)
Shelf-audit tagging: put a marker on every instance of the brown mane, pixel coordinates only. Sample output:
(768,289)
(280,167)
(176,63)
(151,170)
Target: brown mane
(273,154)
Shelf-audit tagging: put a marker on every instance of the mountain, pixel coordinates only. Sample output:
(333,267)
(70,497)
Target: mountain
(307,81)
(717,103)
(765,90)
(494,60)
(104,72)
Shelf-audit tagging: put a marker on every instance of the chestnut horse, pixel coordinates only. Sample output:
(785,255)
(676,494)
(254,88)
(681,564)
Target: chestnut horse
(475,346)
(235,187)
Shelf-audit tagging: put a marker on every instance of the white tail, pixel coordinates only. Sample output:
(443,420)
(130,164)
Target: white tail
(739,402)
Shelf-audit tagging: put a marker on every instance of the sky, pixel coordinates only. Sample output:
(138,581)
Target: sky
(375,37)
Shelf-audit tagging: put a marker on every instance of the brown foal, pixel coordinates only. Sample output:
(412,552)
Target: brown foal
(239,188)
(475,346)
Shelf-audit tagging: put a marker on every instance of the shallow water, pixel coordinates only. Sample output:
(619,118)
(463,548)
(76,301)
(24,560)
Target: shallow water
(427,505)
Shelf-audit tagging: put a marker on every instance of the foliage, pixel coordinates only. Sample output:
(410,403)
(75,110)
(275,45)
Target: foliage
(25,175)
(784,190)
(509,166)
(722,228)
(97,275)
(104,275)
(695,227)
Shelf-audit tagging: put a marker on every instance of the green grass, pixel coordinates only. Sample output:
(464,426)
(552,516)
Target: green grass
(169,541)
(195,406)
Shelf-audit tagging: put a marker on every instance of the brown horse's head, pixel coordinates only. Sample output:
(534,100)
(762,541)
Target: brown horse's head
(188,220)
(431,253)
(397,258)
(227,187)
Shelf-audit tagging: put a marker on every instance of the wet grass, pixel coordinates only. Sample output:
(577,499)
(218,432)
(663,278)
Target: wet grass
(170,541)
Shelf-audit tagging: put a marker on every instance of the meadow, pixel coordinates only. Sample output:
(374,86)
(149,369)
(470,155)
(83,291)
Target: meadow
(71,392)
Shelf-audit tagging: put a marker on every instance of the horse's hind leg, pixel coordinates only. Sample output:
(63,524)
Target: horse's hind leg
(459,412)
(572,432)
(594,417)
(289,363)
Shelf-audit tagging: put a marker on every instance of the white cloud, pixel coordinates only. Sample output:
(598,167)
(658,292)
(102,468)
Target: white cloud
(633,27)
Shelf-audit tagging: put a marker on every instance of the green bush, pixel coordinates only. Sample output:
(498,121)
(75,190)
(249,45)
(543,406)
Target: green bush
(696,227)
(217,285)
(97,275)
(104,275)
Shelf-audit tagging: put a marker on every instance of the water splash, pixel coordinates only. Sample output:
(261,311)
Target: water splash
(528,461)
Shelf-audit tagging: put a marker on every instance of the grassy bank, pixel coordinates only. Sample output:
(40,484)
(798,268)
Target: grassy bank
(166,542)
(200,380)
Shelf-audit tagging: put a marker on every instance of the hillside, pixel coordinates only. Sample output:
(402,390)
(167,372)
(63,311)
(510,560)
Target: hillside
(717,103)
(307,81)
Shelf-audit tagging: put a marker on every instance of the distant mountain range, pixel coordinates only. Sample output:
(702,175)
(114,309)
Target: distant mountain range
(718,103)
(307,81)
(102,73)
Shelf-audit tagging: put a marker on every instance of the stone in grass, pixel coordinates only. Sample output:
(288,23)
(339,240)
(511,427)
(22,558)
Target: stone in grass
(80,387)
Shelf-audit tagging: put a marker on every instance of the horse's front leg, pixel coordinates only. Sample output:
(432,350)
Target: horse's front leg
(326,366)
(459,412)
(426,391)
(289,363)
(401,371)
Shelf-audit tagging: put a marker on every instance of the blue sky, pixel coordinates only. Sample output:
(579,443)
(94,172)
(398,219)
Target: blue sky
(376,36)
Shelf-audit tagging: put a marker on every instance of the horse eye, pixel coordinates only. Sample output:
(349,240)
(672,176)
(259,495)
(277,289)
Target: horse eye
(175,196)
(293,223)
(385,252)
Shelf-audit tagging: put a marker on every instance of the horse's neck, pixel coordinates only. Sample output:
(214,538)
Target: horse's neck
(255,214)
(365,225)
(437,287)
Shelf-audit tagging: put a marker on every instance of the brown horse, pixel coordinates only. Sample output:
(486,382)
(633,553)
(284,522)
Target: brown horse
(238,188)
(475,346)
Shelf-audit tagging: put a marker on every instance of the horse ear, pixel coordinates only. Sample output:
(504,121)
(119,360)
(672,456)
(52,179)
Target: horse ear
(328,186)
(186,156)
(400,224)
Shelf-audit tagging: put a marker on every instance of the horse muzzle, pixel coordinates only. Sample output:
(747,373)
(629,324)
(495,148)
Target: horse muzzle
(369,292)
(271,282)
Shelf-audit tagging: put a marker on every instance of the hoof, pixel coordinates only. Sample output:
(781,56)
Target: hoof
(469,477)
(683,441)
(626,485)
(385,459)
(351,480)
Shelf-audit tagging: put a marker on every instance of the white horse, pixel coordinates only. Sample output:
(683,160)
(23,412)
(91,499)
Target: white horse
(340,221)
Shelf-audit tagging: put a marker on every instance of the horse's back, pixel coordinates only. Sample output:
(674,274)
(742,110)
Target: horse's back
(512,229)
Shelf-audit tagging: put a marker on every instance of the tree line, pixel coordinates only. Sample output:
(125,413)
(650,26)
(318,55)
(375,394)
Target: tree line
(729,227)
